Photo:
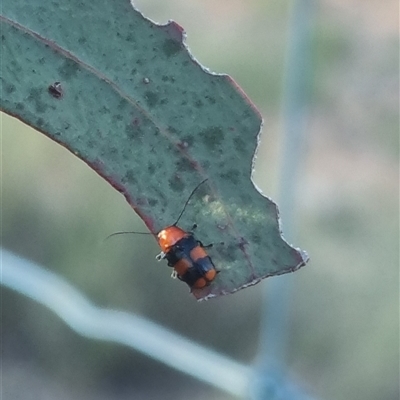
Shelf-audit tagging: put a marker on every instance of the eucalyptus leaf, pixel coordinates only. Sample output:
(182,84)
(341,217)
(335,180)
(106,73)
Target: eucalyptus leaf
(125,95)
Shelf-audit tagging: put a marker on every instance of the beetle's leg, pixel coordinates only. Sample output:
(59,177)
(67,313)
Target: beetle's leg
(160,256)
(174,274)
(208,246)
(193,228)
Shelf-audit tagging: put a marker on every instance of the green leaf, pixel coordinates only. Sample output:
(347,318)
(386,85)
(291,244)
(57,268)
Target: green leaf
(126,96)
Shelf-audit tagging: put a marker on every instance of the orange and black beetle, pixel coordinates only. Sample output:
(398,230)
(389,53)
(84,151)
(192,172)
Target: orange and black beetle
(187,256)
(184,253)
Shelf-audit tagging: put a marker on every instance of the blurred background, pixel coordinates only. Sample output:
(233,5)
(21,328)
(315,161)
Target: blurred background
(344,312)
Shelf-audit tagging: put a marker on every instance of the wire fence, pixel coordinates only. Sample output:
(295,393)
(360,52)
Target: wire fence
(138,333)
(275,325)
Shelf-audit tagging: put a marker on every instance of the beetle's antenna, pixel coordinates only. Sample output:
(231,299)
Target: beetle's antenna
(122,233)
(187,201)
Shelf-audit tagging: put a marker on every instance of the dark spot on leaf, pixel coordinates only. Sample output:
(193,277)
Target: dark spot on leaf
(165,78)
(117,117)
(10,88)
(113,153)
(176,184)
(133,132)
(139,62)
(170,47)
(82,40)
(227,252)
(239,145)
(153,202)
(42,60)
(256,238)
(15,67)
(247,114)
(164,101)
(20,106)
(212,137)
(35,97)
(130,176)
(171,129)
(68,70)
(206,165)
(133,71)
(151,168)
(198,103)
(151,98)
(104,110)
(245,198)
(40,122)
(183,165)
(232,176)
(211,99)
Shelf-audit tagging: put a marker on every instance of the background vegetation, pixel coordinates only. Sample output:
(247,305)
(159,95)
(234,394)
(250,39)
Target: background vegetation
(344,322)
